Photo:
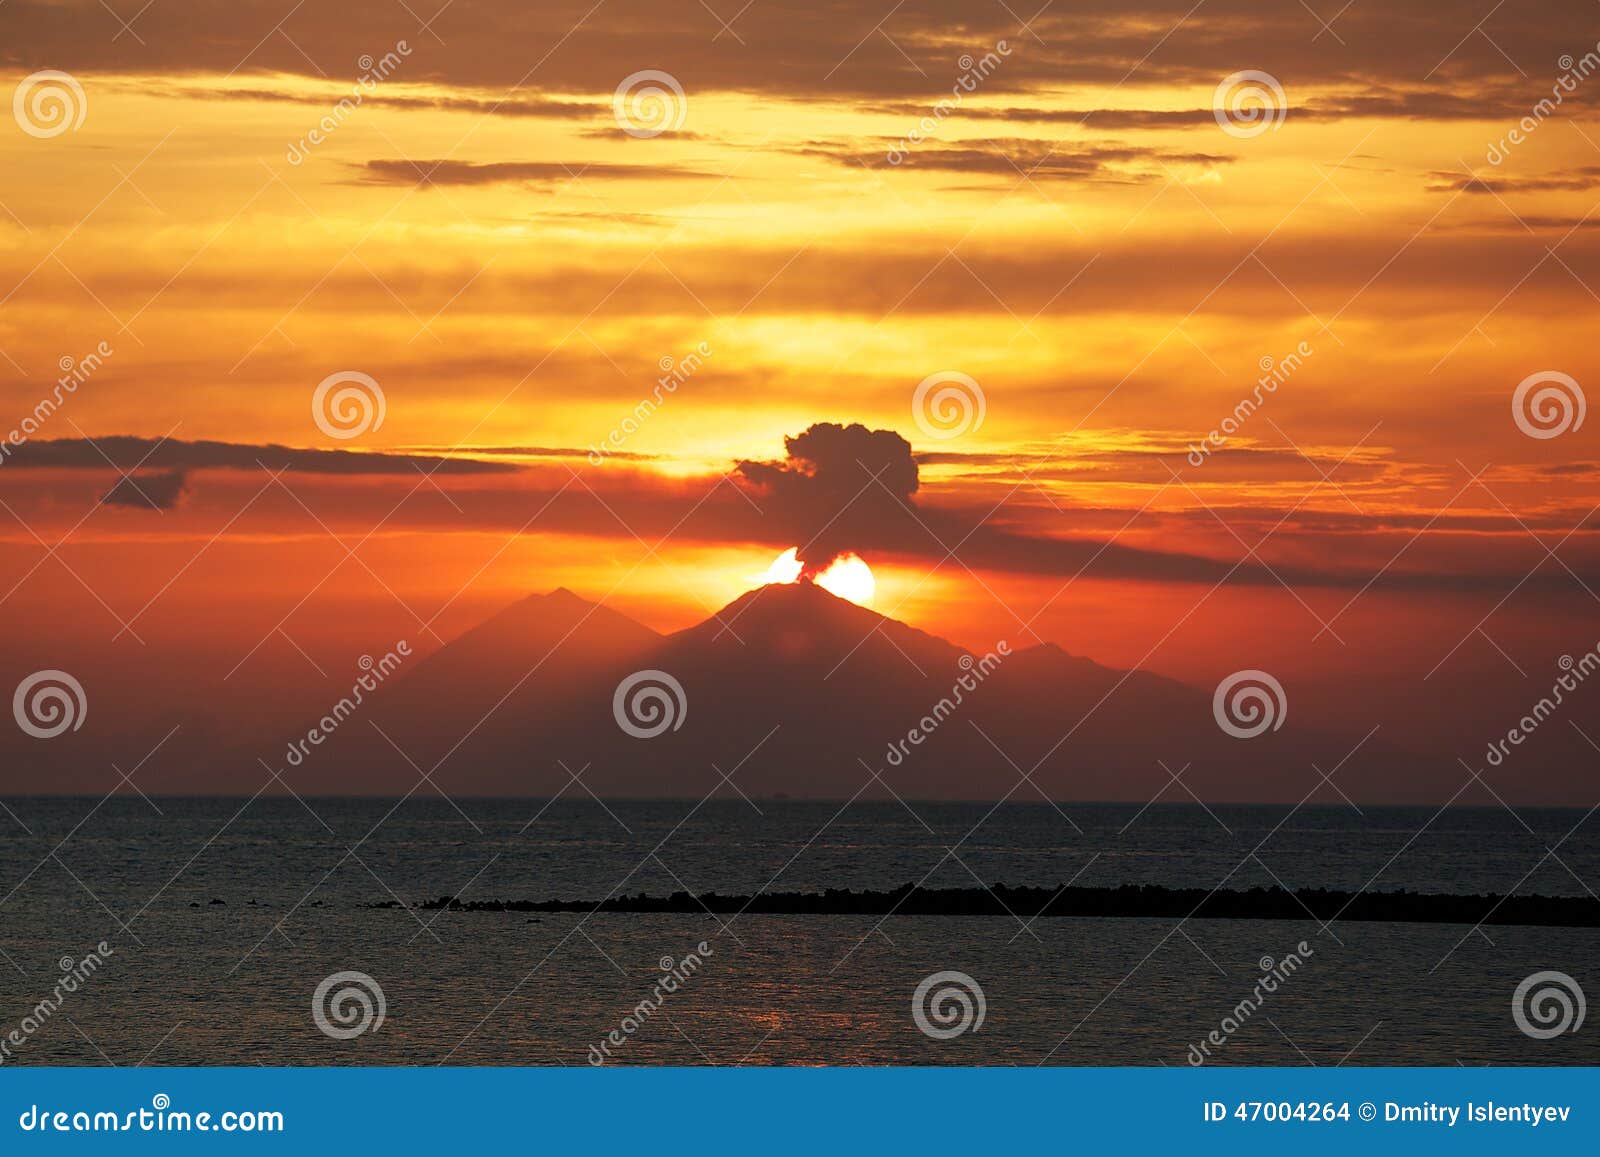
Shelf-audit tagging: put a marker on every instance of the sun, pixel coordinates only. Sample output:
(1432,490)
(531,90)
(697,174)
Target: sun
(848,576)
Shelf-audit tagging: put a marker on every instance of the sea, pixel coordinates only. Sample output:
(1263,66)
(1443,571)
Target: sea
(276,930)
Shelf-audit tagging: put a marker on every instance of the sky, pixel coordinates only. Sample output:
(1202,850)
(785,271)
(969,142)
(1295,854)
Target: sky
(1188,336)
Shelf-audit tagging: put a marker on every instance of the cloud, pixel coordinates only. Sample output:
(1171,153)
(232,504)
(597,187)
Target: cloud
(1141,272)
(394,95)
(816,49)
(1577,180)
(1015,157)
(1521,224)
(848,487)
(409,173)
(129,452)
(149,491)
(1154,462)
(536,452)
(1427,104)
(838,487)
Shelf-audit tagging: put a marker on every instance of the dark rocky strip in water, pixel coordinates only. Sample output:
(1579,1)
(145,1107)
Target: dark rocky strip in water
(1127,901)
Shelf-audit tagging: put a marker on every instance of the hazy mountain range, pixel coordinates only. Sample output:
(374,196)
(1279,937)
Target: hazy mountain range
(792,691)
(788,690)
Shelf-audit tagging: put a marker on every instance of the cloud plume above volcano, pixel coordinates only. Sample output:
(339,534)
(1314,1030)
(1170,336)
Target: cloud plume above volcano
(840,488)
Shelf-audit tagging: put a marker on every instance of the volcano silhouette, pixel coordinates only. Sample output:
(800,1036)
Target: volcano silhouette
(790,690)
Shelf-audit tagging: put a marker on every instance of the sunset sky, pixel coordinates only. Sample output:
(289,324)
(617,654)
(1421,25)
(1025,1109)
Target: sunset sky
(1111,267)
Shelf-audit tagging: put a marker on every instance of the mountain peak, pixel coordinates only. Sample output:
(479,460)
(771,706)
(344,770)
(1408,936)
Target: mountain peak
(539,624)
(800,622)
(796,688)
(794,604)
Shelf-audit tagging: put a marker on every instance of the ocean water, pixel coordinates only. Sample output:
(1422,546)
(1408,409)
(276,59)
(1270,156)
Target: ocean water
(223,916)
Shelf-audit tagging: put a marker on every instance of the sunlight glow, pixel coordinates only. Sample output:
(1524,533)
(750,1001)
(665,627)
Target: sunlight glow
(784,569)
(849,577)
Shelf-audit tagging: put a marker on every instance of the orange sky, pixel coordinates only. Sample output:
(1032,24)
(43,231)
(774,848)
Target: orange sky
(1111,268)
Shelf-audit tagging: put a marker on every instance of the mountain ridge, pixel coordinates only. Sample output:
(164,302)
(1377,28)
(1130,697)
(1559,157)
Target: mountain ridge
(790,690)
